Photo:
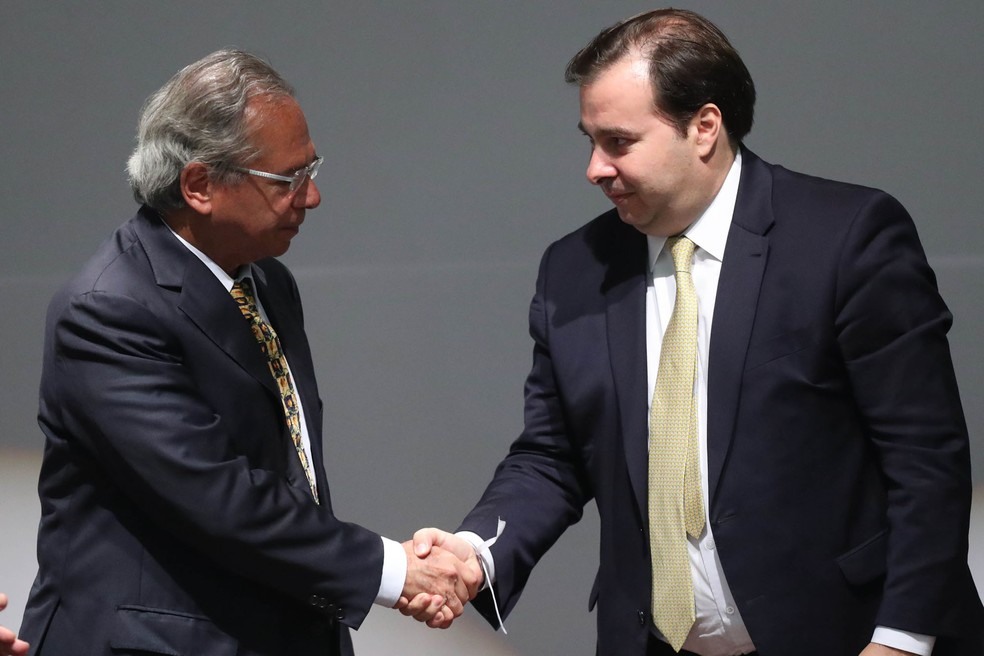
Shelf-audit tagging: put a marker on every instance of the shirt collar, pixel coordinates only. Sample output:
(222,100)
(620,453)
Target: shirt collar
(710,230)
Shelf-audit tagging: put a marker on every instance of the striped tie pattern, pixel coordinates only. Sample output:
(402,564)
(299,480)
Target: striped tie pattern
(242,292)
(675,498)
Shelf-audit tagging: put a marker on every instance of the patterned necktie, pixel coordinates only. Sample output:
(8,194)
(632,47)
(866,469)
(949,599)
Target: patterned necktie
(242,292)
(675,498)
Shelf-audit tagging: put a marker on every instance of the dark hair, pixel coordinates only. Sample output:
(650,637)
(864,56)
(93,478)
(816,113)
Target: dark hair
(691,63)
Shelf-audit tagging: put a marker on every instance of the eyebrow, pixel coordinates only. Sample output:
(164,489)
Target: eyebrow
(292,171)
(608,132)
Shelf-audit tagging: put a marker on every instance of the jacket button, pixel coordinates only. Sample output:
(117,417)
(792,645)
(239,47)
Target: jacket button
(340,615)
(642,618)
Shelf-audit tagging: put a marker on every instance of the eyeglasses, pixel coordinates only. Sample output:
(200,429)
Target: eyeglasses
(296,179)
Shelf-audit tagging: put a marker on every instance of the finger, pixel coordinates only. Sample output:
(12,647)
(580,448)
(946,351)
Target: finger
(424,606)
(473,576)
(419,604)
(426,538)
(14,647)
(461,591)
(469,579)
(442,620)
(431,609)
(454,604)
(3,601)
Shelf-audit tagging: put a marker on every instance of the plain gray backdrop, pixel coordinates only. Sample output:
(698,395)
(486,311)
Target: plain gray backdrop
(452,159)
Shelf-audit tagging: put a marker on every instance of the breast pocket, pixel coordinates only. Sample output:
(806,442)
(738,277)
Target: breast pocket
(141,630)
(779,346)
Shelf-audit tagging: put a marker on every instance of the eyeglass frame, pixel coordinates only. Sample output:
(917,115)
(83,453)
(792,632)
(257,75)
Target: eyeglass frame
(296,179)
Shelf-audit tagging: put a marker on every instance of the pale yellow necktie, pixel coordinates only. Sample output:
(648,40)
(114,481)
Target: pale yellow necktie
(266,337)
(675,498)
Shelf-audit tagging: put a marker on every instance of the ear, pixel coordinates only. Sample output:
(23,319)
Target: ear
(197,187)
(706,127)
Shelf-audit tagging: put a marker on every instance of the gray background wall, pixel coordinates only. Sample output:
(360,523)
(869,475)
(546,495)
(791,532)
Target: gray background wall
(452,160)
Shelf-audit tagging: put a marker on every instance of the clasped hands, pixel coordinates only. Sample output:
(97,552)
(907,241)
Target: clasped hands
(443,574)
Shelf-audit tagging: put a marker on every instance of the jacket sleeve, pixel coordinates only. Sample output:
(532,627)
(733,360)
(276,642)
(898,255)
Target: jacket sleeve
(540,488)
(891,327)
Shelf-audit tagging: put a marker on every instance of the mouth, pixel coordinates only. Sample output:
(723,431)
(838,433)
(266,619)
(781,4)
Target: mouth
(295,226)
(618,198)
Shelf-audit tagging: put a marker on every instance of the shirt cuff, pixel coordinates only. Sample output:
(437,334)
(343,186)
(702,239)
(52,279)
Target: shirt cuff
(394,573)
(482,549)
(917,643)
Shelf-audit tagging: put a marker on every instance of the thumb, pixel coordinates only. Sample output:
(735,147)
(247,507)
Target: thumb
(426,538)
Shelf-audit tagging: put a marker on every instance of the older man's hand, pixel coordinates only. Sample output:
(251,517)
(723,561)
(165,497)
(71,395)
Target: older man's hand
(443,550)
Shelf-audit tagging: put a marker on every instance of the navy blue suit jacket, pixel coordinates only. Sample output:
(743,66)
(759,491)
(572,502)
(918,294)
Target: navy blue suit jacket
(839,477)
(176,518)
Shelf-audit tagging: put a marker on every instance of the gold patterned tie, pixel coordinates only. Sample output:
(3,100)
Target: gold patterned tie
(242,292)
(675,498)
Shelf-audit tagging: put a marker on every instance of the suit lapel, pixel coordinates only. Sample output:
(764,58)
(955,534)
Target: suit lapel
(744,263)
(625,298)
(200,296)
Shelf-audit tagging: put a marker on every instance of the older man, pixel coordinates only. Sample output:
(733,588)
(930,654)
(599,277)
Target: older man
(185,508)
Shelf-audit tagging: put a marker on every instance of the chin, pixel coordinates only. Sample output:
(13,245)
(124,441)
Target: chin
(645,224)
(277,250)
(631,218)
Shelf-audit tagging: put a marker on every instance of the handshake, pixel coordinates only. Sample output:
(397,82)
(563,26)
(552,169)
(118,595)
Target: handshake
(443,574)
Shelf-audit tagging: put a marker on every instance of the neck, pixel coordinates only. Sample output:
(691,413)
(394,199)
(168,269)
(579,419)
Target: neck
(194,229)
(718,164)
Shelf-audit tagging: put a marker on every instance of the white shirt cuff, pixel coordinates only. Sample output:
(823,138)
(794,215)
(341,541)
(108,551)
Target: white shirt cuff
(482,549)
(917,643)
(394,573)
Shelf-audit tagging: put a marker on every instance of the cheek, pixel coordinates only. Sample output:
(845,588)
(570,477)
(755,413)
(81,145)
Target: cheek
(661,175)
(646,172)
(281,208)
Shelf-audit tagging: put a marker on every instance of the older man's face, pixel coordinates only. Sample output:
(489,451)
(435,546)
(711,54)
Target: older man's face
(258,217)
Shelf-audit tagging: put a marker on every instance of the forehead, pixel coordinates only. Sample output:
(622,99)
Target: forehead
(623,90)
(279,131)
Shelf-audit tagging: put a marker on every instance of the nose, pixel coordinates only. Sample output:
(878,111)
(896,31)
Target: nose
(308,196)
(600,167)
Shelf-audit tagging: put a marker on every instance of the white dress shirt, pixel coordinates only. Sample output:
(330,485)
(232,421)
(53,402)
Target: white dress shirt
(718,629)
(394,558)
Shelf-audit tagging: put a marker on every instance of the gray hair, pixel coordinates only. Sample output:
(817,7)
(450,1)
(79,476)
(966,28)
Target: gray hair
(200,115)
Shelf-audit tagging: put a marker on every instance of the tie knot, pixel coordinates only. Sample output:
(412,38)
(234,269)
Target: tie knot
(682,250)
(242,293)
(242,288)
